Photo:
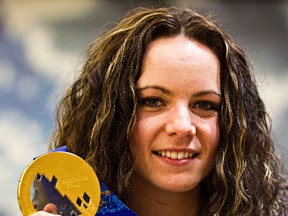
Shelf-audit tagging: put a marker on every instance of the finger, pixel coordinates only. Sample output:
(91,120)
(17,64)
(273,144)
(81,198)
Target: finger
(42,213)
(51,208)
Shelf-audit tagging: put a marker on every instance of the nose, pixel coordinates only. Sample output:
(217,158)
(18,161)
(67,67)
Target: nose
(180,122)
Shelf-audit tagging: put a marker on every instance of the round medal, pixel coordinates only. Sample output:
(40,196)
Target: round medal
(62,179)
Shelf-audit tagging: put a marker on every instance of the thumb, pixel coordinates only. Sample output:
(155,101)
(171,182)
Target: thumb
(51,208)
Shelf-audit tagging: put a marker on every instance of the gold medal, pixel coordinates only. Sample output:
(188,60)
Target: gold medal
(63,179)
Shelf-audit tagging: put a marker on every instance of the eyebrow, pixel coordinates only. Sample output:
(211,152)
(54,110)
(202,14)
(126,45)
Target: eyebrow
(166,91)
(162,89)
(207,92)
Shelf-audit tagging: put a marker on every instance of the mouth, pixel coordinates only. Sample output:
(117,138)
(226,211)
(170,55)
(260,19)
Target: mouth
(176,155)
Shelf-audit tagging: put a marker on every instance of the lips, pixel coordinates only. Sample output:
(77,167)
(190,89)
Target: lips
(176,155)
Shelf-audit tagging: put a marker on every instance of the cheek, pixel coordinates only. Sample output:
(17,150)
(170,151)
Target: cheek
(137,133)
(139,144)
(140,136)
(215,133)
(210,136)
(144,129)
(213,144)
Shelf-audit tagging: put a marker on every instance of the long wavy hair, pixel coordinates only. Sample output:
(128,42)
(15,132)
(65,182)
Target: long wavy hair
(96,117)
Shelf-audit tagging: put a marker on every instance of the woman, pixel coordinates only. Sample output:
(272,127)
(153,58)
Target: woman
(168,115)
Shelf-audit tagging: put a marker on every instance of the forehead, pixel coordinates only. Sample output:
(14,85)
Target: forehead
(179,59)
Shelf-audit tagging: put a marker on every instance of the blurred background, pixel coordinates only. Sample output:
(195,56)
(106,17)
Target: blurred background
(43,44)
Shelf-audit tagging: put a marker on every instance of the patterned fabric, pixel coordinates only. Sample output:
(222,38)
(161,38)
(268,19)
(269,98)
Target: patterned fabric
(110,204)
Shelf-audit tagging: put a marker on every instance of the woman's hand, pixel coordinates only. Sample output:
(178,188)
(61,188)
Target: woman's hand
(49,210)
(42,213)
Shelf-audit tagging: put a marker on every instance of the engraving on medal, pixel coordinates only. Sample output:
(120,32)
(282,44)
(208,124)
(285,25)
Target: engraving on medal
(74,182)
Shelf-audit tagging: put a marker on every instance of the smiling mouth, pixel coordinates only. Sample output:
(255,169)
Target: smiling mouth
(176,155)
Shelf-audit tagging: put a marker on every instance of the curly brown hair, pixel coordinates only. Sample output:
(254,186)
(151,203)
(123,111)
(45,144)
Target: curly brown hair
(97,115)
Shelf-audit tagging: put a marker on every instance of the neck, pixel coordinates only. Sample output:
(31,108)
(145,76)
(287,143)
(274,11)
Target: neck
(145,200)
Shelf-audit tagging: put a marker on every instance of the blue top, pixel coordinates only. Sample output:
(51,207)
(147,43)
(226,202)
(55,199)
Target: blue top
(110,204)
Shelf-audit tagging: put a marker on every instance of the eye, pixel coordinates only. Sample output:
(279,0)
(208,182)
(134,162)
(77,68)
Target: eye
(206,106)
(151,102)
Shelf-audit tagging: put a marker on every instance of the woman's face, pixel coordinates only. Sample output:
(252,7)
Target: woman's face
(177,127)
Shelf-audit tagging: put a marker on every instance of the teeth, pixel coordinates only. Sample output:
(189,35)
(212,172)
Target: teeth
(175,155)
(181,155)
(168,154)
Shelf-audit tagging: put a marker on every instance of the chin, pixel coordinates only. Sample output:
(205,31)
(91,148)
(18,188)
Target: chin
(180,187)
